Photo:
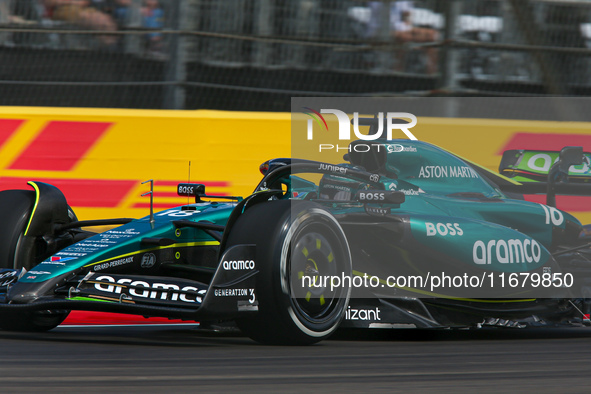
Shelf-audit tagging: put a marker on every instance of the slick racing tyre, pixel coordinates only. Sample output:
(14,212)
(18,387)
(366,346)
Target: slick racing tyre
(18,251)
(294,239)
(35,321)
(15,211)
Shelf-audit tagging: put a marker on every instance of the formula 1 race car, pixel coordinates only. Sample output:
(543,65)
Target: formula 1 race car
(260,261)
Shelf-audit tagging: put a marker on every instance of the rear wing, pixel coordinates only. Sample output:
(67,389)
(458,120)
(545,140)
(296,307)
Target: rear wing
(534,166)
(552,172)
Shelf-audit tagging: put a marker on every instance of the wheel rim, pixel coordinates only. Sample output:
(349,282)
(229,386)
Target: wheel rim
(316,254)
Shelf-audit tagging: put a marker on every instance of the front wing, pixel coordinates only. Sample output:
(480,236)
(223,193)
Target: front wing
(231,292)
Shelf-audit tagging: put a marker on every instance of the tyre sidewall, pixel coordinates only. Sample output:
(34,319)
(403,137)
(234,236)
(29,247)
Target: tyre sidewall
(269,225)
(305,219)
(18,251)
(15,211)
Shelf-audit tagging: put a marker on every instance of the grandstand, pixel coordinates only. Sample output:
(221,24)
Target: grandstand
(257,54)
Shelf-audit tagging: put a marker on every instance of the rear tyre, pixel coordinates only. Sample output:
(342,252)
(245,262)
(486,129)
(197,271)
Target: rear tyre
(294,239)
(18,251)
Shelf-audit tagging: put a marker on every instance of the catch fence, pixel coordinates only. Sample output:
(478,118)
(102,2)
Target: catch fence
(257,54)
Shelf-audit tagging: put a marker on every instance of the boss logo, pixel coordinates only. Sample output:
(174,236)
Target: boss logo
(380,196)
(443,229)
(372,196)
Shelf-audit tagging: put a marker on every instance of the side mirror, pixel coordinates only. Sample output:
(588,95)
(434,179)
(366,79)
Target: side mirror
(190,189)
(196,190)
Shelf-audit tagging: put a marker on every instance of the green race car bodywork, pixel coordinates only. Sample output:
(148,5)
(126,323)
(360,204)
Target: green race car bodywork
(400,208)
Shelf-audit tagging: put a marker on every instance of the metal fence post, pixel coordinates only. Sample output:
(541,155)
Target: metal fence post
(384,58)
(228,17)
(525,17)
(264,19)
(193,11)
(306,24)
(133,20)
(175,68)
(448,57)
(4,19)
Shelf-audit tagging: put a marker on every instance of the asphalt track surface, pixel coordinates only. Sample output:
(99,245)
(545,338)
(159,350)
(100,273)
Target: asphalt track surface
(178,359)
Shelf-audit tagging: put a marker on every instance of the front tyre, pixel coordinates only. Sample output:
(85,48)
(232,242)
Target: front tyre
(18,251)
(34,321)
(298,245)
(15,211)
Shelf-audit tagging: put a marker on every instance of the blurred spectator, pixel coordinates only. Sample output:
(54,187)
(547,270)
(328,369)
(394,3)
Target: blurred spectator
(152,18)
(87,14)
(4,12)
(403,31)
(121,11)
(4,15)
(16,12)
(24,11)
(117,9)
